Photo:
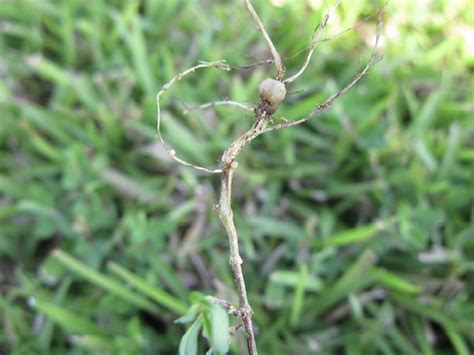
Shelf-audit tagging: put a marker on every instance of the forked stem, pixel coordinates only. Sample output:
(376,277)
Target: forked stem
(268,104)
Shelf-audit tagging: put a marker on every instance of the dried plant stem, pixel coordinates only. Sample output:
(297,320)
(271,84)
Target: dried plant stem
(315,40)
(227,305)
(220,103)
(220,64)
(226,215)
(276,56)
(373,59)
(328,102)
(263,116)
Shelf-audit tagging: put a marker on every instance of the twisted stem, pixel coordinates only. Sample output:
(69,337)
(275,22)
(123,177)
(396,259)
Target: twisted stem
(226,215)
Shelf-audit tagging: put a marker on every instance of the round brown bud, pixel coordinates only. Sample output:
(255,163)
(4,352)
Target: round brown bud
(272,90)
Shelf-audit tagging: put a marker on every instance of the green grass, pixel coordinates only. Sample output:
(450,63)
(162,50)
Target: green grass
(357,228)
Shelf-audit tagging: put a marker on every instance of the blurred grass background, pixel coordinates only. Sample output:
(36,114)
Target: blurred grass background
(356,228)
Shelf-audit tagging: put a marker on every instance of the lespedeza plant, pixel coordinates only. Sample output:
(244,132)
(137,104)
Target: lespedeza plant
(272,92)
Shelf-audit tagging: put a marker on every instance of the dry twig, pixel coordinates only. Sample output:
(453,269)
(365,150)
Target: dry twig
(220,103)
(272,92)
(315,40)
(373,59)
(220,64)
(276,56)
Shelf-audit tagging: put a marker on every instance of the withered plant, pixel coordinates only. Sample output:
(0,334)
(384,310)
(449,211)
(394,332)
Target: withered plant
(272,92)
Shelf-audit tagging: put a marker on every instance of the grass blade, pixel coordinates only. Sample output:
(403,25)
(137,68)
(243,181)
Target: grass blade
(298,300)
(102,281)
(159,296)
(67,319)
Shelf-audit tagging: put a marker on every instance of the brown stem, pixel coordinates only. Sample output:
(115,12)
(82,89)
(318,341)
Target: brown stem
(227,218)
(263,114)
(276,56)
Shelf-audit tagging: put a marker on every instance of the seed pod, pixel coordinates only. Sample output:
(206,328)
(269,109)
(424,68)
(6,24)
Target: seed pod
(272,90)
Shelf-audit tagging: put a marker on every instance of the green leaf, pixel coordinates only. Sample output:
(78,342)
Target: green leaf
(298,299)
(69,320)
(190,315)
(355,278)
(219,335)
(161,297)
(47,331)
(359,234)
(293,279)
(451,327)
(198,297)
(107,283)
(189,342)
(393,281)
(94,343)
(276,228)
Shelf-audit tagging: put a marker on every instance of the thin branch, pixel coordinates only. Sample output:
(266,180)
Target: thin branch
(219,103)
(373,59)
(315,40)
(227,305)
(220,64)
(276,56)
(227,219)
(339,34)
(252,65)
(263,116)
